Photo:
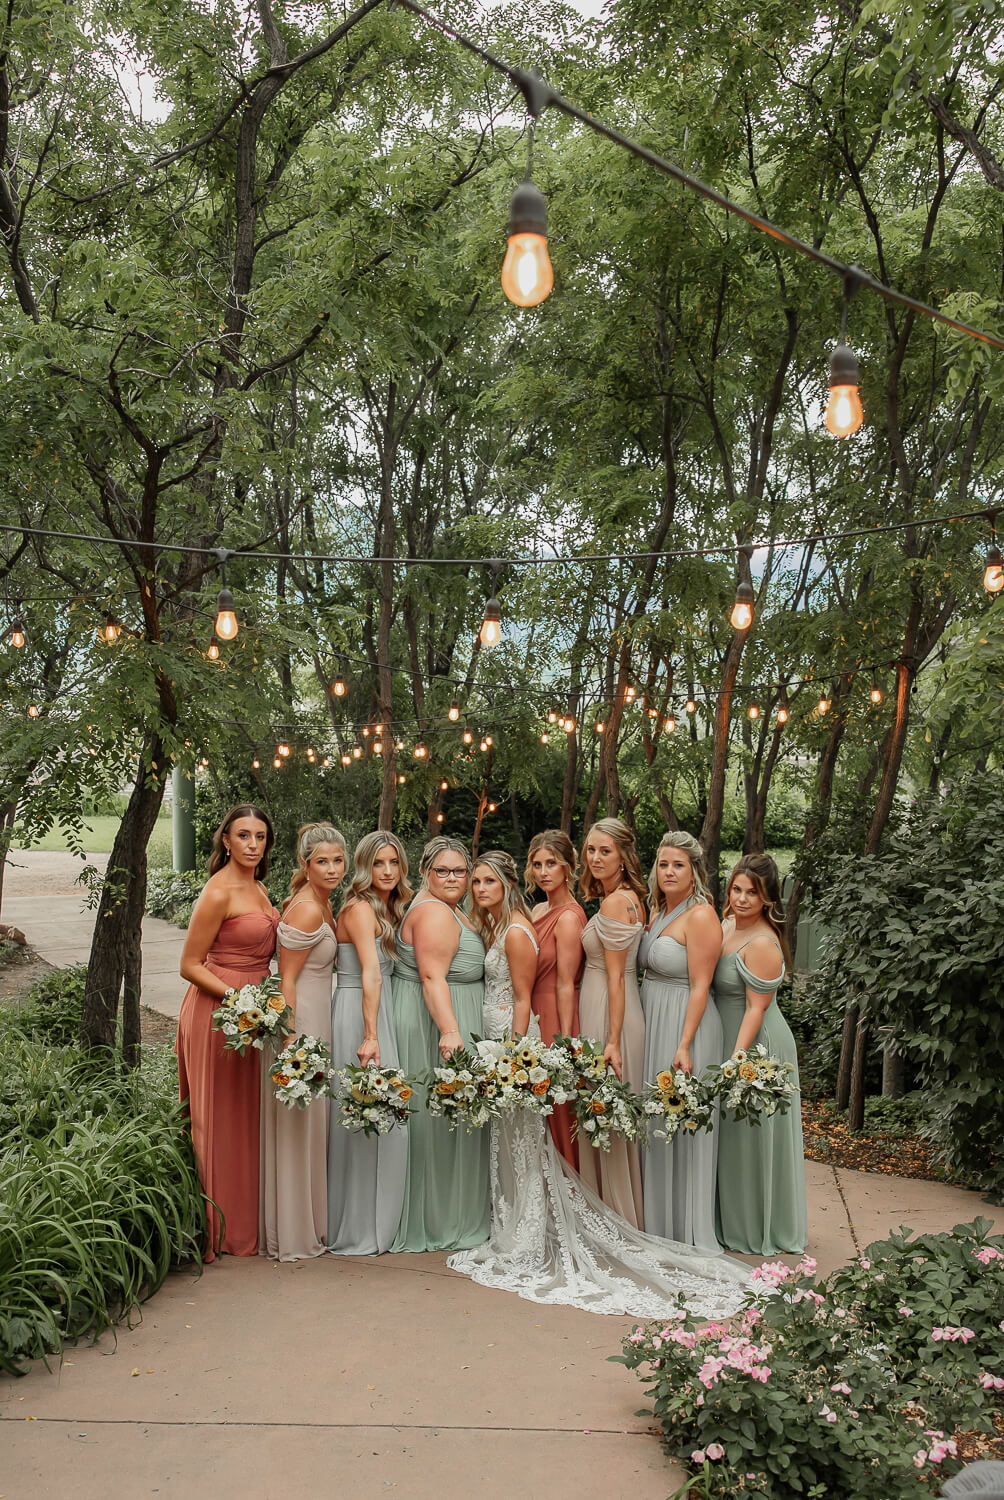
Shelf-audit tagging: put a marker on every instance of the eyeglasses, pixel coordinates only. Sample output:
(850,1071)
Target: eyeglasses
(447,874)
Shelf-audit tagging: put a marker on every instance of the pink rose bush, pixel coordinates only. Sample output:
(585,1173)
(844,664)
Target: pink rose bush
(849,1383)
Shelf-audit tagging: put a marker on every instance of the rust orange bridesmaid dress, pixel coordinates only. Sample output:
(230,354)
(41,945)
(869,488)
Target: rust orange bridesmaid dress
(544,1004)
(223,1089)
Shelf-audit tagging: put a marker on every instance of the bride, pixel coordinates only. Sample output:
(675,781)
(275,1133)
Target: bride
(552,1239)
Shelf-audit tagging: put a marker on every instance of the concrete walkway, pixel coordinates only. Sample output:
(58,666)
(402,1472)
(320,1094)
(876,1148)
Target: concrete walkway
(366,1376)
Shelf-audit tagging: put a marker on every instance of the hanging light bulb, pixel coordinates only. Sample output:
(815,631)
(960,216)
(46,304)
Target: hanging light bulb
(338,686)
(357,751)
(277,763)
(782,714)
(378,747)
(420,751)
(346,759)
(439,817)
(444,786)
(326,761)
(753,712)
(256,764)
(653,713)
(527,276)
(310,754)
(399,744)
(378,729)
(226,617)
(876,693)
(17,634)
(844,414)
(489,740)
(491,626)
(110,631)
(484,746)
(552,717)
(283,749)
(670,724)
(690,706)
(453,713)
(569,725)
(492,806)
(742,611)
(629,693)
(33,710)
(823,704)
(993,573)
(214,651)
(401,780)
(561,721)
(544,737)
(366,731)
(600,726)
(468,737)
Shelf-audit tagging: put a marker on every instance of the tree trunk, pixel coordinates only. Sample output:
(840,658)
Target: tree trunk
(892,1073)
(117,930)
(856,1110)
(843,1093)
(710,835)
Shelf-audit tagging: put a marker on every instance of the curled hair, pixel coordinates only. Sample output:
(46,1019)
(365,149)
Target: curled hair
(389,911)
(441,845)
(695,853)
(762,870)
(221,854)
(560,845)
(310,837)
(627,848)
(492,927)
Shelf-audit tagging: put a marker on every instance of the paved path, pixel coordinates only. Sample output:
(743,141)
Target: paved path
(360,1376)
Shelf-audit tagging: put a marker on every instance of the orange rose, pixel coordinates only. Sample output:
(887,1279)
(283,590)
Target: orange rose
(598,1107)
(281,1079)
(277,1002)
(747,1072)
(245,1023)
(405,1093)
(446,1088)
(542,1087)
(665,1080)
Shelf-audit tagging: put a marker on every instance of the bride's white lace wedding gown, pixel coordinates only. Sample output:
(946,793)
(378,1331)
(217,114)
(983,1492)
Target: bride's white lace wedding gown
(553,1240)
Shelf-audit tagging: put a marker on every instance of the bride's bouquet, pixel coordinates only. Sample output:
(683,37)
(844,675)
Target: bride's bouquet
(677,1101)
(302,1072)
(461,1092)
(603,1106)
(253,1015)
(373,1099)
(753,1084)
(526,1074)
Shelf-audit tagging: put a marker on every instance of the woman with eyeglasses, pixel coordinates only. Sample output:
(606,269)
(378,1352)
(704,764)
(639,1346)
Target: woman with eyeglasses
(438,990)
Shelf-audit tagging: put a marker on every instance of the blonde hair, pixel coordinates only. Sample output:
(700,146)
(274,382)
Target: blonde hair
(627,848)
(695,853)
(437,846)
(560,845)
(493,927)
(389,912)
(310,837)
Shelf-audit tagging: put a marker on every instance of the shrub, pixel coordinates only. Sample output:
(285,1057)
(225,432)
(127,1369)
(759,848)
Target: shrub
(52,1009)
(171,895)
(847,1386)
(99,1193)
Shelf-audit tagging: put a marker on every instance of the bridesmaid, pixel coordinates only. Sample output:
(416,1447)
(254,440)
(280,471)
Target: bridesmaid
(230,942)
(366,1174)
(761,1168)
(682,1030)
(609,1003)
(294,1199)
(558,922)
(438,991)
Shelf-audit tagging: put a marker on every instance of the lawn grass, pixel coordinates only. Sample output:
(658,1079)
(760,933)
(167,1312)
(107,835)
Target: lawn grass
(99,833)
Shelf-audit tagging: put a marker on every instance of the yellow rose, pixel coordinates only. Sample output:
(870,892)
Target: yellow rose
(446,1088)
(747,1072)
(665,1080)
(397,1083)
(405,1092)
(245,1023)
(277,1002)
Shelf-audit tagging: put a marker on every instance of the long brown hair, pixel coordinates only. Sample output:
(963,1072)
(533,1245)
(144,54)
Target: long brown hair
(310,837)
(220,855)
(627,848)
(762,870)
(560,846)
(504,866)
(389,913)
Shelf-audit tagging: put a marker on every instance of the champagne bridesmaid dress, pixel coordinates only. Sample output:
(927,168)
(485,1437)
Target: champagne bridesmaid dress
(223,1089)
(761,1168)
(679,1175)
(294,1142)
(366,1173)
(614,1175)
(544,1005)
(447,1196)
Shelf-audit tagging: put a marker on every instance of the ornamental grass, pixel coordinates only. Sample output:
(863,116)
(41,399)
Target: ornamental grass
(99,1194)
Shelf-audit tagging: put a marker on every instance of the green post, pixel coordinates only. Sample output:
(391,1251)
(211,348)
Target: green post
(183,819)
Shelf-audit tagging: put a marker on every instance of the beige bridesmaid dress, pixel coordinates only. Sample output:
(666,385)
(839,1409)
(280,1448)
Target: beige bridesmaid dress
(293,1222)
(614,1175)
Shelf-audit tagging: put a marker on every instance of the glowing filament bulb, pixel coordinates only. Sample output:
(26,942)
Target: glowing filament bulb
(484,745)
(753,712)
(226,618)
(782,715)
(338,687)
(33,710)
(690,706)
(876,693)
(214,651)
(444,786)
(670,724)
(277,763)
(346,759)
(823,704)
(17,637)
(439,817)
(468,737)
(357,751)
(454,712)
(401,780)
(569,726)
(993,573)
(256,764)
(600,726)
(544,737)
(283,749)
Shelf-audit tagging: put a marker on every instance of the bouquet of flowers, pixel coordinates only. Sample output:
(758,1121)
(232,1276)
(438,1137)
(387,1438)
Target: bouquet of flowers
(460,1091)
(753,1084)
(525,1074)
(373,1099)
(679,1101)
(603,1106)
(253,1015)
(302,1072)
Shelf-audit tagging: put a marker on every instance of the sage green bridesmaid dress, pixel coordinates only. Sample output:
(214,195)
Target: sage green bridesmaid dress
(761,1168)
(447,1194)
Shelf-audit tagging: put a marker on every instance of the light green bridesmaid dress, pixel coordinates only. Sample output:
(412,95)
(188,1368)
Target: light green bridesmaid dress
(761,1168)
(447,1203)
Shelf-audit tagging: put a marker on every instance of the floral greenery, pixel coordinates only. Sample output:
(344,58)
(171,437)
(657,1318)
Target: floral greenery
(851,1385)
(99,1194)
(52,1009)
(918,934)
(171,895)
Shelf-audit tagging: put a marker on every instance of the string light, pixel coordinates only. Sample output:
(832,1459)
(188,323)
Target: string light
(993,572)
(33,710)
(401,780)
(338,686)
(782,713)
(670,724)
(357,751)
(742,611)
(544,737)
(378,747)
(17,634)
(226,615)
(569,725)
(256,764)
(444,786)
(629,693)
(277,762)
(600,726)
(346,759)
(876,693)
(214,651)
(527,277)
(552,717)
(843,406)
(439,817)
(491,626)
(420,752)
(489,740)
(484,746)
(110,631)
(823,704)
(326,761)
(753,712)
(468,737)
(282,749)
(366,731)
(690,706)
(310,754)
(453,714)
(399,744)
(653,713)
(378,729)
(492,806)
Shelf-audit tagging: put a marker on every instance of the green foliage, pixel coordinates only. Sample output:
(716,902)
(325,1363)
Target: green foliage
(50,1013)
(849,1385)
(171,895)
(99,1194)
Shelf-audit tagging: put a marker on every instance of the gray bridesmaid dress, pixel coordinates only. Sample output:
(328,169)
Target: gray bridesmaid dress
(678,1175)
(366,1173)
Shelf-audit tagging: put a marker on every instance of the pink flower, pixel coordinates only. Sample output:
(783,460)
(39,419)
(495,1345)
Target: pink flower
(865,1264)
(907,1312)
(697,1457)
(919,1458)
(841,1386)
(987,1254)
(991,1382)
(715,1451)
(937,1334)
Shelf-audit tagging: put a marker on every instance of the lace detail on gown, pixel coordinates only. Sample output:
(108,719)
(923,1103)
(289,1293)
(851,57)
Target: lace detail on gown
(554,1241)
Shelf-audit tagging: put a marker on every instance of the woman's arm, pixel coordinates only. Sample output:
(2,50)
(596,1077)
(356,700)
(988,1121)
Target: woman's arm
(521,957)
(567,961)
(619,908)
(703,933)
(360,925)
(208,915)
(305,916)
(761,958)
(436,938)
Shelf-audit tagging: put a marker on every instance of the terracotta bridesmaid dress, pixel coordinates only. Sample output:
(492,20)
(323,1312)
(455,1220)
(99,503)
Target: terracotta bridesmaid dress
(222,1089)
(544,1004)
